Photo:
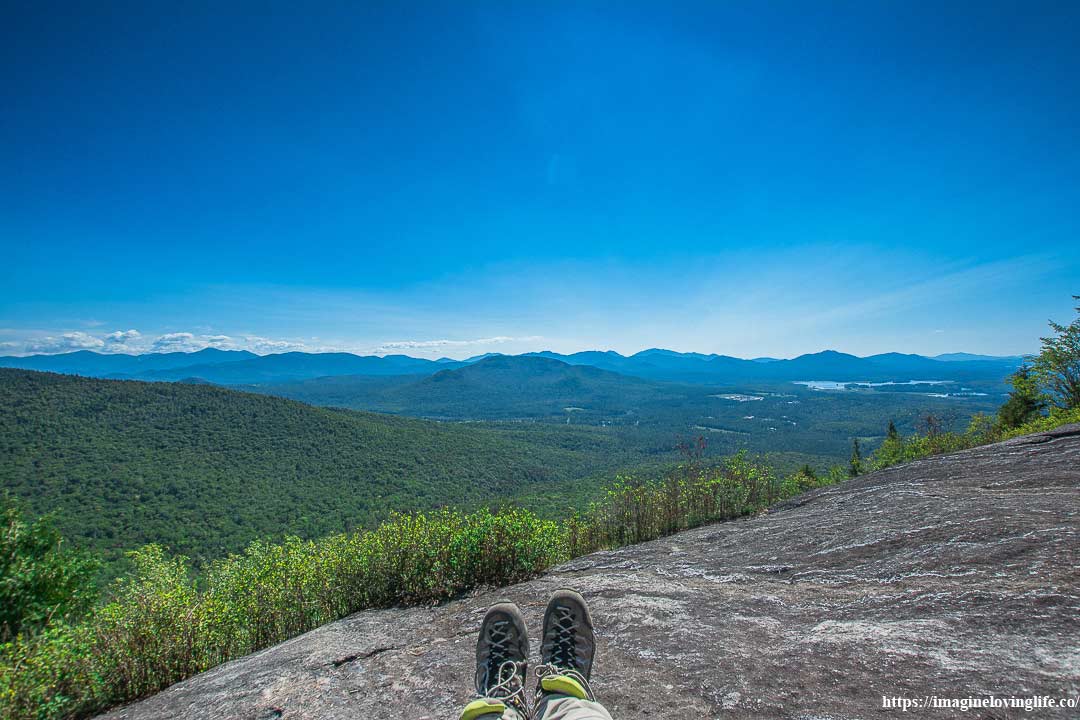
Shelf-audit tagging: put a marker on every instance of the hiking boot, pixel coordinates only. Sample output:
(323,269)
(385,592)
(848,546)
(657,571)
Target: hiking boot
(502,652)
(567,647)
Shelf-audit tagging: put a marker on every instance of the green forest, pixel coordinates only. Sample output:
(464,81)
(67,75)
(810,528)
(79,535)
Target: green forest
(204,471)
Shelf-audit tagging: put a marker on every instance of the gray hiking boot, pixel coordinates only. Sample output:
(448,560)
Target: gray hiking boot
(502,652)
(567,648)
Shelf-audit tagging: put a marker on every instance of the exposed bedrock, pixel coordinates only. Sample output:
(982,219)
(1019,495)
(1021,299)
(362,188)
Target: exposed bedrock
(954,576)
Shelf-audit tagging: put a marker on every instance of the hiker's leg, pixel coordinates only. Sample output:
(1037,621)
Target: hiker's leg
(491,709)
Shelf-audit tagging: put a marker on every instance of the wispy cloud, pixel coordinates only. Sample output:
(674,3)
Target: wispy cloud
(123,341)
(918,294)
(265,346)
(179,341)
(67,342)
(437,344)
(123,336)
(190,342)
(134,342)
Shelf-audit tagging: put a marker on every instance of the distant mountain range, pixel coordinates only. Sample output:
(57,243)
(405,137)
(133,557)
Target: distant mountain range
(225,367)
(92,364)
(965,357)
(238,367)
(494,388)
(827,365)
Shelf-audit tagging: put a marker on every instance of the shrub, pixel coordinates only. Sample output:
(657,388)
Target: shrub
(161,626)
(981,431)
(635,510)
(49,674)
(41,580)
(1056,418)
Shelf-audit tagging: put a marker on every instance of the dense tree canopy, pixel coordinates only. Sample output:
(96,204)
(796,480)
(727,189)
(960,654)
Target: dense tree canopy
(204,470)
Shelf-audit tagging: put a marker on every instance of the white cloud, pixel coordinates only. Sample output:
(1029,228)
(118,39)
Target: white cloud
(67,342)
(124,341)
(263,345)
(176,342)
(190,342)
(122,337)
(432,344)
(134,342)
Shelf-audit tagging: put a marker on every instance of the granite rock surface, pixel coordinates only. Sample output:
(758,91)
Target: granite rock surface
(955,576)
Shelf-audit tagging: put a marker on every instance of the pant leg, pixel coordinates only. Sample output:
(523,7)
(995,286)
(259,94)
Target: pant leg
(490,709)
(567,707)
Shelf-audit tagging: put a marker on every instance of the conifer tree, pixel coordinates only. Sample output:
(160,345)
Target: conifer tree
(855,468)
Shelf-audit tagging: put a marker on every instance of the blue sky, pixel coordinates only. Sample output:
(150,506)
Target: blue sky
(461,177)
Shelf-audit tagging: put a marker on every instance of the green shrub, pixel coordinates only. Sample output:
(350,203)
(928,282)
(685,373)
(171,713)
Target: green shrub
(48,675)
(635,511)
(1056,418)
(161,626)
(981,431)
(41,580)
(149,634)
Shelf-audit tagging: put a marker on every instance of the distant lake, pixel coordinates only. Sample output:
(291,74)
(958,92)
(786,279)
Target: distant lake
(843,384)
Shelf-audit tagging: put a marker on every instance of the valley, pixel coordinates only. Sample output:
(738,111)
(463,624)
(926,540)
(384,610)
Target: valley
(763,417)
(205,469)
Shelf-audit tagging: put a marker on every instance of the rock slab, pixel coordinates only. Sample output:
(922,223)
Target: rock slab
(955,576)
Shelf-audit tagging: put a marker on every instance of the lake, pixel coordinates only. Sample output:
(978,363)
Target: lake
(843,384)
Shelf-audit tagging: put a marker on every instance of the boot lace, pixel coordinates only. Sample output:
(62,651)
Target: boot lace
(508,686)
(502,669)
(564,644)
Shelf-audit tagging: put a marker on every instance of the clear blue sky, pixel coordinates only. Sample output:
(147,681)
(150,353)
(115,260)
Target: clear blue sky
(459,177)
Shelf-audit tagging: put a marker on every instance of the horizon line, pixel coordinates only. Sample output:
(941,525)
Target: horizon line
(473,358)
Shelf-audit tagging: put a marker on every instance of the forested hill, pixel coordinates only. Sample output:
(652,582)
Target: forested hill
(495,388)
(205,470)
